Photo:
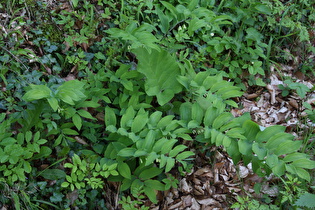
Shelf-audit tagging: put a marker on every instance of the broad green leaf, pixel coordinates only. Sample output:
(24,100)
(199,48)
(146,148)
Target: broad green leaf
(222,119)
(149,141)
(250,130)
(155,184)
(210,115)
(127,152)
(151,193)
(110,116)
(139,122)
(151,158)
(261,152)
(279,168)
(272,160)
(197,113)
(304,163)
(150,173)
(184,155)
(278,139)
(165,121)
(53,102)
(124,170)
(169,164)
(267,133)
(159,144)
(155,118)
(37,92)
(28,136)
(263,9)
(77,121)
(85,114)
(245,147)
(53,174)
(195,24)
(161,70)
(27,167)
(176,150)
(295,156)
(303,173)
(127,116)
(68,131)
(288,147)
(166,148)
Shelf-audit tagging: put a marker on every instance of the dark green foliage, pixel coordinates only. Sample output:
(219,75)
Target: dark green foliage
(145,78)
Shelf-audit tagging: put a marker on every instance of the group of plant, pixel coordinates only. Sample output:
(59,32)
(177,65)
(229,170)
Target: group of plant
(99,92)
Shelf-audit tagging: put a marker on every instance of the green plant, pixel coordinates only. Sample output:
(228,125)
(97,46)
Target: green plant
(249,203)
(300,88)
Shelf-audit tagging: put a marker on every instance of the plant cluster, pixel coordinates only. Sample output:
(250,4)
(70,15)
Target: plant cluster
(147,83)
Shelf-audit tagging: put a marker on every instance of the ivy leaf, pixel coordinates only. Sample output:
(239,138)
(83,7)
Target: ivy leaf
(161,71)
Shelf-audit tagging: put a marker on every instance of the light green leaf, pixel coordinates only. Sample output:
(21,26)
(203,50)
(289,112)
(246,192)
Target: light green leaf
(161,70)
(261,152)
(77,121)
(176,150)
(169,164)
(277,139)
(288,147)
(110,116)
(124,170)
(86,114)
(53,102)
(304,163)
(37,92)
(184,155)
(267,133)
(245,147)
(127,152)
(139,122)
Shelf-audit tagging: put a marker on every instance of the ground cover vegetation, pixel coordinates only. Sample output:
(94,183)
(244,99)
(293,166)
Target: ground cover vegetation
(107,104)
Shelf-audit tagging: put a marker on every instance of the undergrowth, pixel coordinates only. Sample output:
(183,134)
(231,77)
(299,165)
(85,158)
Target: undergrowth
(100,92)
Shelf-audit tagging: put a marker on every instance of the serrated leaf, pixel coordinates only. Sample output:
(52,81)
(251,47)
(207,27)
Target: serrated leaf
(161,71)
(306,200)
